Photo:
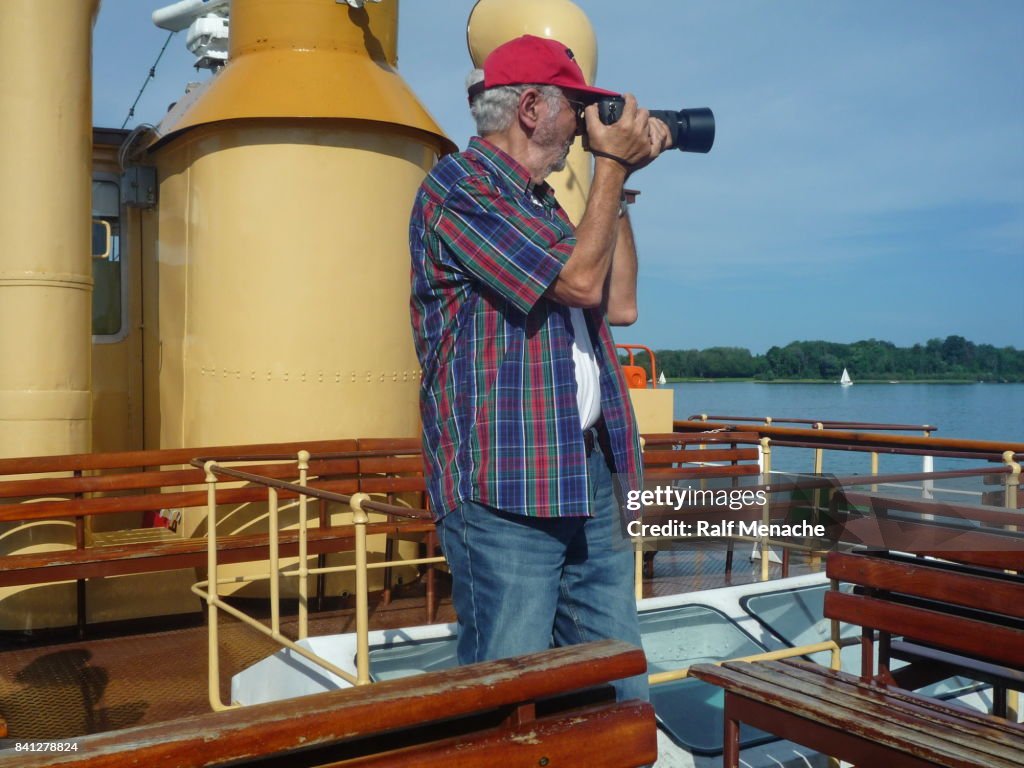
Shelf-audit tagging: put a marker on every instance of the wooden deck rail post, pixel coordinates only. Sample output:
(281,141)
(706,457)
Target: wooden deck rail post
(81,609)
(321,559)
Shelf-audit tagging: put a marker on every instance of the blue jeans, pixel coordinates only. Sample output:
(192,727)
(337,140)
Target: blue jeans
(523,584)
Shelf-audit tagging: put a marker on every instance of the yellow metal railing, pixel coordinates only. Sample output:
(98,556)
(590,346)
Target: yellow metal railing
(658,678)
(208,590)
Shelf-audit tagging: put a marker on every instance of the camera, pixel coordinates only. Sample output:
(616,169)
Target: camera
(692,130)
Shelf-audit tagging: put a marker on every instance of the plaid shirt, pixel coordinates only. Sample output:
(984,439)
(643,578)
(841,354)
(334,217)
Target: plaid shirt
(498,399)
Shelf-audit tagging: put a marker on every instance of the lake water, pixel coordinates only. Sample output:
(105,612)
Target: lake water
(972,411)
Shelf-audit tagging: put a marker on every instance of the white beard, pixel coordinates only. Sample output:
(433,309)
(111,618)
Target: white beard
(546,139)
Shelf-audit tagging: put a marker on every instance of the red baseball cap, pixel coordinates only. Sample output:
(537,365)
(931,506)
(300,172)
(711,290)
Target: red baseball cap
(534,60)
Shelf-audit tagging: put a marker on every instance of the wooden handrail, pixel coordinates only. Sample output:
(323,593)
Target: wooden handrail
(45,510)
(677,438)
(153,458)
(982,448)
(336,717)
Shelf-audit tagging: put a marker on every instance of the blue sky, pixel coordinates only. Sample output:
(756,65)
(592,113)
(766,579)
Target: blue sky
(867,179)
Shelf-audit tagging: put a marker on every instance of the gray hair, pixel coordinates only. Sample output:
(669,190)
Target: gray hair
(495,108)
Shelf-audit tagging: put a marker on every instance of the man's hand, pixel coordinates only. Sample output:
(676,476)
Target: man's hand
(634,139)
(660,139)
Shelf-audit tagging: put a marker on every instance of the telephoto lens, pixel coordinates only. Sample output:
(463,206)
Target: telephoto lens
(692,130)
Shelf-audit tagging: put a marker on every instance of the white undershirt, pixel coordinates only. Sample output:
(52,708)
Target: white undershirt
(588,376)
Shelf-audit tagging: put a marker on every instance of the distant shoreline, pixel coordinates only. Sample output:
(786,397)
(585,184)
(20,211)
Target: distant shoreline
(953,360)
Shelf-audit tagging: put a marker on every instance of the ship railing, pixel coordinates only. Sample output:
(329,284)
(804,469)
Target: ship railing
(822,497)
(823,489)
(867,437)
(361,505)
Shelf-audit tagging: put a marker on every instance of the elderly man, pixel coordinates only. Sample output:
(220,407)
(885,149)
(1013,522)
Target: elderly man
(527,423)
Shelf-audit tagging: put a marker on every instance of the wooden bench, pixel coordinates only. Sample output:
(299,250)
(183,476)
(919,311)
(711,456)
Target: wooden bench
(90,487)
(674,456)
(943,618)
(972,618)
(865,723)
(477,716)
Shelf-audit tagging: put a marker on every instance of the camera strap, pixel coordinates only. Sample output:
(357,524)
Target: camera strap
(616,158)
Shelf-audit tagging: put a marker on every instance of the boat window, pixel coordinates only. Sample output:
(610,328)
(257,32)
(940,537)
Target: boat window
(690,710)
(107,271)
(412,657)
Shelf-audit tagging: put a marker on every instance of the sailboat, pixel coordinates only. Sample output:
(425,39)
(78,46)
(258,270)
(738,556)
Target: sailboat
(661,379)
(845,380)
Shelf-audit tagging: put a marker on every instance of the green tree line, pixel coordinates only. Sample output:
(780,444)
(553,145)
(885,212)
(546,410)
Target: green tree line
(952,358)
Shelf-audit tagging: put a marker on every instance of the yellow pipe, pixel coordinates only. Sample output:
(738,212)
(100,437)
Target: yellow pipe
(45,201)
(212,652)
(1012,480)
(819,454)
(782,653)
(275,565)
(303,548)
(360,519)
(766,453)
